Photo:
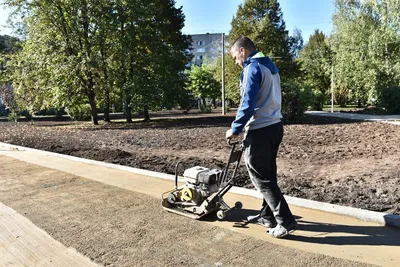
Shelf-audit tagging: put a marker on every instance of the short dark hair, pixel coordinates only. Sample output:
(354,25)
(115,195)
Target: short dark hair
(244,42)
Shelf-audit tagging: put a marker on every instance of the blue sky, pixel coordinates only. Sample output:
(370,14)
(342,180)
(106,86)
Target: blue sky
(214,16)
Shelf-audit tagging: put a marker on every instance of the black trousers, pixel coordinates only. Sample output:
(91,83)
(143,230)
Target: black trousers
(261,149)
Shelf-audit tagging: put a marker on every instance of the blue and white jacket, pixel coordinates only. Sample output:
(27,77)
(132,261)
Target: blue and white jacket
(260,94)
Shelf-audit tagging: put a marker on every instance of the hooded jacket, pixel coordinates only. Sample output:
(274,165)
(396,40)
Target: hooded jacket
(260,94)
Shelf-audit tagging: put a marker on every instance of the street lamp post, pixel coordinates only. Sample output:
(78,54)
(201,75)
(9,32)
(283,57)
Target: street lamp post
(223,74)
(332,89)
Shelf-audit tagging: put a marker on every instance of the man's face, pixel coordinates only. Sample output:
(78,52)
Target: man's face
(239,56)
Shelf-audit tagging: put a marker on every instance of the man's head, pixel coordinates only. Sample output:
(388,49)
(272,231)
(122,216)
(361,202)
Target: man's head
(241,49)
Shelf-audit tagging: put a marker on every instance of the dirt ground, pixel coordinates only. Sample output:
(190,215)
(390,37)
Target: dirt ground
(325,159)
(117,227)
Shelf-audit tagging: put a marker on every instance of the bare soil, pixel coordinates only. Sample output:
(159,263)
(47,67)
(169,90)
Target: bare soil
(325,159)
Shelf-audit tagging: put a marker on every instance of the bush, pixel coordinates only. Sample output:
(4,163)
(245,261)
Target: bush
(13,116)
(294,101)
(205,109)
(27,115)
(317,101)
(227,108)
(341,97)
(79,112)
(389,100)
(58,112)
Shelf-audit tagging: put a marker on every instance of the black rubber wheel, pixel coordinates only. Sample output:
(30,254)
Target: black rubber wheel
(238,205)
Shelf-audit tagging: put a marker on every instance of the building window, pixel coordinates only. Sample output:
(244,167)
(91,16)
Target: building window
(199,57)
(200,43)
(201,50)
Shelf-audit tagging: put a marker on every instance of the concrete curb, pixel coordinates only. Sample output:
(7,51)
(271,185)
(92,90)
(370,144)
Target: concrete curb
(364,215)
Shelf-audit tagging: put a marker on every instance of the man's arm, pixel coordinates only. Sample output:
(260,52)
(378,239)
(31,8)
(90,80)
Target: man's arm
(251,86)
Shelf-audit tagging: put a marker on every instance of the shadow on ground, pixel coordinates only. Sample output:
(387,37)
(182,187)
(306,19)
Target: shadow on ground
(352,235)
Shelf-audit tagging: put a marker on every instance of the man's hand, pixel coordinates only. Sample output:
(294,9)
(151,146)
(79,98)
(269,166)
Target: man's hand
(229,135)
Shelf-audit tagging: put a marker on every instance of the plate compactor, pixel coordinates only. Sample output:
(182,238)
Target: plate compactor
(204,188)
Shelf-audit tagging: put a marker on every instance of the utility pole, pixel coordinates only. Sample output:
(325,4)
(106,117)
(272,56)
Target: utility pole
(223,74)
(333,91)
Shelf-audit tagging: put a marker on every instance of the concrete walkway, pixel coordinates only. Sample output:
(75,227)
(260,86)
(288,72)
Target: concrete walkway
(395,119)
(319,232)
(24,244)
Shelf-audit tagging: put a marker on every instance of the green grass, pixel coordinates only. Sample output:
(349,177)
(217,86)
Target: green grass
(339,108)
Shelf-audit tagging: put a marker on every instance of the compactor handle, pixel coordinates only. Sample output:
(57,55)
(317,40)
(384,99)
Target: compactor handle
(231,142)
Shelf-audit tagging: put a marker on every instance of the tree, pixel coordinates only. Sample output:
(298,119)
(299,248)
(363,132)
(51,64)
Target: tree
(262,21)
(8,47)
(9,44)
(83,52)
(166,55)
(366,45)
(296,43)
(202,83)
(316,63)
(232,75)
(62,42)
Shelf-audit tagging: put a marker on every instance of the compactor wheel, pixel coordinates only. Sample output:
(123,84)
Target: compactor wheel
(221,214)
(238,205)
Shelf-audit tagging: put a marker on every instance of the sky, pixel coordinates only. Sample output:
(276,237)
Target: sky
(214,16)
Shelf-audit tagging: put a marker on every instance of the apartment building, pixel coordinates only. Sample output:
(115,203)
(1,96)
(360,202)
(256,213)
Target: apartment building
(207,47)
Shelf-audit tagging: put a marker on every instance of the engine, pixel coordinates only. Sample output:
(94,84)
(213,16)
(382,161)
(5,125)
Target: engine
(200,183)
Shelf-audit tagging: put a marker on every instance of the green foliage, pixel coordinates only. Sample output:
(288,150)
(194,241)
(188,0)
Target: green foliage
(205,109)
(98,50)
(227,108)
(202,83)
(8,98)
(13,116)
(316,63)
(295,100)
(28,115)
(232,75)
(79,112)
(58,112)
(389,100)
(296,43)
(317,100)
(9,44)
(366,45)
(262,21)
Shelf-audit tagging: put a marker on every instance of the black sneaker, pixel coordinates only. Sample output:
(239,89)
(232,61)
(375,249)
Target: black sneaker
(261,221)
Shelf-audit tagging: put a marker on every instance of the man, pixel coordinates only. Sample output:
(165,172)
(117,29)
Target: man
(259,114)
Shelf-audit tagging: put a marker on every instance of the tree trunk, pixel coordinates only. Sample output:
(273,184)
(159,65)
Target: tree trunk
(88,72)
(146,113)
(93,110)
(128,110)
(107,106)
(107,84)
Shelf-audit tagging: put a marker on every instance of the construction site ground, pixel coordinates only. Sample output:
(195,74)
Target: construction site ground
(328,159)
(59,212)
